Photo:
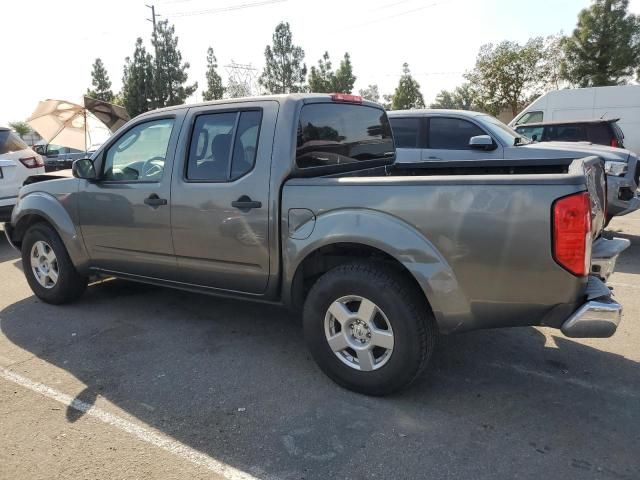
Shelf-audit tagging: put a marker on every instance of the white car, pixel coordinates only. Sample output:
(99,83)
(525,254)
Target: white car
(17,163)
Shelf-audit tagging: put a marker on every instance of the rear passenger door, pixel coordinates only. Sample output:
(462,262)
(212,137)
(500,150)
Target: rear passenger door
(408,135)
(220,196)
(448,139)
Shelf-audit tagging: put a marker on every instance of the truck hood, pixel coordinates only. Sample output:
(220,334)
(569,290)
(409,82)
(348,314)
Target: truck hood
(576,149)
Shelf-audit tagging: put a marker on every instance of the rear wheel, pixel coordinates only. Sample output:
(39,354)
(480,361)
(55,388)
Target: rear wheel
(48,268)
(368,328)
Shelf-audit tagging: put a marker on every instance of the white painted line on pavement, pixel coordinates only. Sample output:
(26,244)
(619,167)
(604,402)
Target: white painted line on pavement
(144,434)
(620,392)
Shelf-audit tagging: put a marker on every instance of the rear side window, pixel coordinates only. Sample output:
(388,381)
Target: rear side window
(10,142)
(406,132)
(567,133)
(451,133)
(223,146)
(600,133)
(334,134)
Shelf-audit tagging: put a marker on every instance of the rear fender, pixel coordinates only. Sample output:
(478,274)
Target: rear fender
(397,239)
(41,205)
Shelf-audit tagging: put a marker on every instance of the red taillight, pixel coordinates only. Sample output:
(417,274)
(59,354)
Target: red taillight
(345,97)
(572,233)
(615,143)
(32,162)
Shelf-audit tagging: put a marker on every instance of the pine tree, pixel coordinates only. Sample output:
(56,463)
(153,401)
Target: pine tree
(214,90)
(170,74)
(407,94)
(344,78)
(370,93)
(604,49)
(284,70)
(321,78)
(137,82)
(101,83)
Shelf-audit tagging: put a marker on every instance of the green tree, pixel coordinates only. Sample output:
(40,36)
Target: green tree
(170,74)
(137,82)
(461,98)
(236,89)
(284,70)
(321,79)
(407,94)
(324,80)
(214,90)
(604,49)
(506,74)
(370,93)
(21,128)
(101,83)
(552,62)
(344,78)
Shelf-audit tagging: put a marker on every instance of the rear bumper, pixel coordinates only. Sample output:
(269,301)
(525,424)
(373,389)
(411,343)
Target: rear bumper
(604,256)
(633,205)
(598,317)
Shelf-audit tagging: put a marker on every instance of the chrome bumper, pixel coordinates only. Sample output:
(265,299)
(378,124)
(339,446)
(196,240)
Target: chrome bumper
(633,205)
(604,255)
(599,317)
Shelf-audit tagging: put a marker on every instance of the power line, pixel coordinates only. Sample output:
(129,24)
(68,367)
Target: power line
(227,9)
(389,17)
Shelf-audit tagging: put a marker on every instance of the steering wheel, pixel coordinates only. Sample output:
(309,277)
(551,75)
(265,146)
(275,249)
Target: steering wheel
(152,168)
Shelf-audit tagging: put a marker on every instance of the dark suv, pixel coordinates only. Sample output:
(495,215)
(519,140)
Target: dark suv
(599,132)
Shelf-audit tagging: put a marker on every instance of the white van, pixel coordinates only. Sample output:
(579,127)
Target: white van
(587,104)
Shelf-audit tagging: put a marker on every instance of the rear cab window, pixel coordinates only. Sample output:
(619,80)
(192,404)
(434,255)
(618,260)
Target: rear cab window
(335,137)
(601,133)
(10,142)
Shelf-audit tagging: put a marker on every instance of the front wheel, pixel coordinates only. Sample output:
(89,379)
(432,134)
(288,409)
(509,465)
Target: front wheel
(48,268)
(368,328)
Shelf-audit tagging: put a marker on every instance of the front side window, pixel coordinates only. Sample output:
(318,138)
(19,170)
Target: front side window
(533,133)
(139,155)
(223,146)
(406,132)
(336,134)
(530,117)
(451,133)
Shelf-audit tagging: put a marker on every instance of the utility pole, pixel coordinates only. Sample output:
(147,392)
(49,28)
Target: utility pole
(158,101)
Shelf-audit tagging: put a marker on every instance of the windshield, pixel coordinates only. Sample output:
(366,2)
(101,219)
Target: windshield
(507,135)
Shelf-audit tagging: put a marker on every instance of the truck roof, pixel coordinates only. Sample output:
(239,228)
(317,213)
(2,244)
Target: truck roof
(284,98)
(570,122)
(433,111)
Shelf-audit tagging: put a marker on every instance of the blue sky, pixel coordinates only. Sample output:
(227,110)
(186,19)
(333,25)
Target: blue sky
(50,52)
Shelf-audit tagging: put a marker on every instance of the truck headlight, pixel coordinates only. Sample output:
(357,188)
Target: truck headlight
(617,169)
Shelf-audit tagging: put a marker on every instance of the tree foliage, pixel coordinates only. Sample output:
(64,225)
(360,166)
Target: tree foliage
(284,70)
(100,81)
(324,80)
(505,75)
(138,94)
(370,93)
(214,90)
(21,128)
(407,94)
(236,89)
(604,49)
(170,74)
(462,97)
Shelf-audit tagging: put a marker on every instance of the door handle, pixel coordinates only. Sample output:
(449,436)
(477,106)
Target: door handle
(154,200)
(244,203)
(434,158)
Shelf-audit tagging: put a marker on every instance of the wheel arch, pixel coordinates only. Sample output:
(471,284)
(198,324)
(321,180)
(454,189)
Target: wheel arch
(354,234)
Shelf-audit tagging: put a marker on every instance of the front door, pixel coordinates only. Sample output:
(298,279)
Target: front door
(220,196)
(448,140)
(125,214)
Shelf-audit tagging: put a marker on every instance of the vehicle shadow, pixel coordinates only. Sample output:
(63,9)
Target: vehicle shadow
(629,260)
(235,381)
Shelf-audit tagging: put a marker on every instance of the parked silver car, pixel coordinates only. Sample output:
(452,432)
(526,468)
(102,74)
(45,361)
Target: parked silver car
(448,135)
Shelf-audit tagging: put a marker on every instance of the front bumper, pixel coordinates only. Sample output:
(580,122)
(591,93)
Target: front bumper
(598,317)
(604,255)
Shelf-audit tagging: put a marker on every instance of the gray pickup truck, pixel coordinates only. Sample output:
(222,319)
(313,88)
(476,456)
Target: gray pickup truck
(296,200)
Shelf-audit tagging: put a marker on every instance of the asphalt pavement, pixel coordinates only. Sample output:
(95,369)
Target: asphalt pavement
(137,381)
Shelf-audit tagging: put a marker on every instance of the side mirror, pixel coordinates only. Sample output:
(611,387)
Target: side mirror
(534,137)
(482,142)
(84,168)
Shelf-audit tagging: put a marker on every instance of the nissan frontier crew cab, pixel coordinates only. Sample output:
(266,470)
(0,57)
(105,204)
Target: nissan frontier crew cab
(297,200)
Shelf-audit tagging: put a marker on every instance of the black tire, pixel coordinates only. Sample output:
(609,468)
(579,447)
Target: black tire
(414,328)
(70,285)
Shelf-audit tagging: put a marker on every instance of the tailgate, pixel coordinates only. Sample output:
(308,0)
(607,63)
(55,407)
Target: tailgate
(596,180)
